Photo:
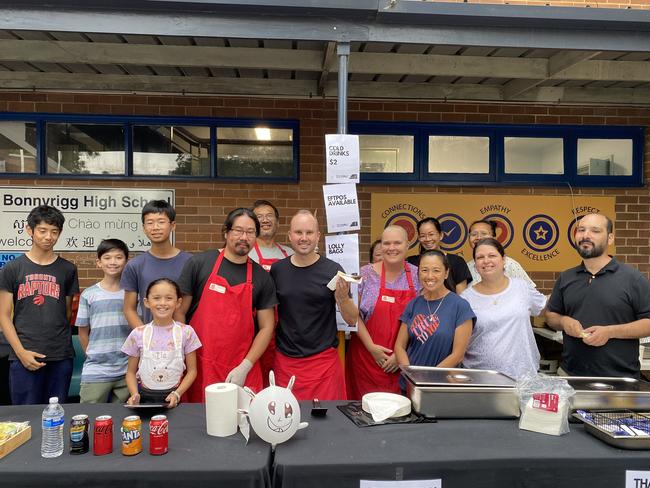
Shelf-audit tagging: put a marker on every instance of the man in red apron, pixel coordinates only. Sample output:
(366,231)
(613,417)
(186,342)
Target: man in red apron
(306,337)
(266,252)
(221,292)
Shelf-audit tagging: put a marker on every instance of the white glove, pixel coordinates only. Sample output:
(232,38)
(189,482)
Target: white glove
(238,374)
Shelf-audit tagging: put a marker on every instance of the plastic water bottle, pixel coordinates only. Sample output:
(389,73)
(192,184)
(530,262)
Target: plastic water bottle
(53,421)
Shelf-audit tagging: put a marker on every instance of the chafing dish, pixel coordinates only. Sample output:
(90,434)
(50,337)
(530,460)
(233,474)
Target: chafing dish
(461,393)
(593,393)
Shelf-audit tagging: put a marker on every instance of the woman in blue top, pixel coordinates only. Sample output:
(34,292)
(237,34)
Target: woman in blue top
(437,324)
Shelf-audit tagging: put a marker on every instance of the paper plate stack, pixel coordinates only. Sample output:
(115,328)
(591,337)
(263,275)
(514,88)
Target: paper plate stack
(383,406)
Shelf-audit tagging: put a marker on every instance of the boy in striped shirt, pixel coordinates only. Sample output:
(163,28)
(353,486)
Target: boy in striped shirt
(103,329)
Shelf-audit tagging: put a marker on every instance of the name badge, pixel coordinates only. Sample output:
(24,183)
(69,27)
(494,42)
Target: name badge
(217,288)
(388,299)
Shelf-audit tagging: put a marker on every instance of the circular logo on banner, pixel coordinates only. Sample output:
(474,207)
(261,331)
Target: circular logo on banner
(454,231)
(505,229)
(541,233)
(409,223)
(571,230)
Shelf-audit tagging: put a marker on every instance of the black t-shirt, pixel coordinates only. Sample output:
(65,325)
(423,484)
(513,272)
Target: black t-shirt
(39,294)
(307,308)
(197,271)
(617,294)
(458,270)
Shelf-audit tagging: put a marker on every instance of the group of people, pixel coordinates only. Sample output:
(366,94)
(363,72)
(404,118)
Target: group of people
(162,326)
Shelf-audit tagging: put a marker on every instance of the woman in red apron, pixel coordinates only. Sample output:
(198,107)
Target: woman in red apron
(266,361)
(371,364)
(224,323)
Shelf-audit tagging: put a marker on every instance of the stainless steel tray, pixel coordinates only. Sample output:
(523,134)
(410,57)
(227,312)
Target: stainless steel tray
(594,393)
(612,427)
(435,392)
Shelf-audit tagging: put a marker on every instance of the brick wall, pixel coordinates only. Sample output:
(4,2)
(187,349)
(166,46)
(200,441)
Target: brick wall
(202,206)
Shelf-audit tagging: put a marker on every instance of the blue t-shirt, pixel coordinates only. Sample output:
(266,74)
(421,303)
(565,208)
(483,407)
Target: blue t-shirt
(431,340)
(145,268)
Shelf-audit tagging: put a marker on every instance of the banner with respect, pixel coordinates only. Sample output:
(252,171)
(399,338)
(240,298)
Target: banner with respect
(536,230)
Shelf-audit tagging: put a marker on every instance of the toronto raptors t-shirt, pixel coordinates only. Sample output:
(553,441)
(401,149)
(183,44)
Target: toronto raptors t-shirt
(39,294)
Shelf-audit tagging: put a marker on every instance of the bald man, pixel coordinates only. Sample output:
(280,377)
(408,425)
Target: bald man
(306,336)
(601,306)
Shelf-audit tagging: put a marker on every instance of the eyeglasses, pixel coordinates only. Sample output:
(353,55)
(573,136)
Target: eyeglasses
(160,223)
(430,236)
(261,217)
(238,232)
(480,234)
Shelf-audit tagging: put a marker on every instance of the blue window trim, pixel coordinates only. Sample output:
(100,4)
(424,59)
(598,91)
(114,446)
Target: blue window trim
(497,133)
(41,119)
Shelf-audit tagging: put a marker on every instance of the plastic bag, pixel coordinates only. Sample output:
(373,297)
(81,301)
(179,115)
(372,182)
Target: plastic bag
(545,404)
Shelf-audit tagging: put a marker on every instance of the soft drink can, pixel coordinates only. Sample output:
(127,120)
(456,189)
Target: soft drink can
(131,435)
(79,441)
(103,435)
(158,435)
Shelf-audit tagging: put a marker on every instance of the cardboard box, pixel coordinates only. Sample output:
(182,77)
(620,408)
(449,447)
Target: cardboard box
(15,441)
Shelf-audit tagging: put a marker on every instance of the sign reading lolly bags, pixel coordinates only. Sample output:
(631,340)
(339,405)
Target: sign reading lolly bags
(341,207)
(344,249)
(342,158)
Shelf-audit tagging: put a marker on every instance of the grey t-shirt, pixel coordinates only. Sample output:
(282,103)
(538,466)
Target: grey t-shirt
(39,295)
(145,268)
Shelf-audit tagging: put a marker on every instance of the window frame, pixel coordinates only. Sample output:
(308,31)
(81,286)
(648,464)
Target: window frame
(497,134)
(41,120)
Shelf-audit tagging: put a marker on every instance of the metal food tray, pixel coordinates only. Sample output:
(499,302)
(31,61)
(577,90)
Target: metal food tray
(461,393)
(601,393)
(619,428)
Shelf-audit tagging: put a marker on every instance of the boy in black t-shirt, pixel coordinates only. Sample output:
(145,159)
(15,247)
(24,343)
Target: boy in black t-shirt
(39,287)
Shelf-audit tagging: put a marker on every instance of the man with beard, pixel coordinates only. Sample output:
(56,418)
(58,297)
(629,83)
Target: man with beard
(602,306)
(307,337)
(221,293)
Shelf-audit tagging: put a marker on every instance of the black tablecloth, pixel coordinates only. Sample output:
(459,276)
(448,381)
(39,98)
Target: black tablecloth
(333,452)
(194,459)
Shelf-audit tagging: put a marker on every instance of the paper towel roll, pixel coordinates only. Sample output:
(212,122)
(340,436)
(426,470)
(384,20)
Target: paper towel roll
(221,409)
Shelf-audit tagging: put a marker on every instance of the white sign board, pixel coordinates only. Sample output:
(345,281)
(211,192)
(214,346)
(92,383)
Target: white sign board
(91,214)
(344,249)
(342,158)
(341,207)
(435,483)
(637,479)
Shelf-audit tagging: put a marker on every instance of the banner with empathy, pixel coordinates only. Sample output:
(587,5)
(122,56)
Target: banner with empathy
(535,230)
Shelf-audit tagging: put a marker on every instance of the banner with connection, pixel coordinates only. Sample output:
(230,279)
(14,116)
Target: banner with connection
(536,230)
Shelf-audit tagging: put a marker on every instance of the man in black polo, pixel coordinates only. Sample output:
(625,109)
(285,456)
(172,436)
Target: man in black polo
(602,306)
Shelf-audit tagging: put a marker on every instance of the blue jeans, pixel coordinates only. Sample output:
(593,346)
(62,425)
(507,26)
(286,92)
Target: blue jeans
(36,387)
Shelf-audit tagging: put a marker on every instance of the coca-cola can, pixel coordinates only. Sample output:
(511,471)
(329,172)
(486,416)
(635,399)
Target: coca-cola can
(103,435)
(158,435)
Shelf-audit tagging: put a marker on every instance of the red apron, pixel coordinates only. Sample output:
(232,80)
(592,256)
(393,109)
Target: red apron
(266,361)
(363,375)
(224,323)
(318,376)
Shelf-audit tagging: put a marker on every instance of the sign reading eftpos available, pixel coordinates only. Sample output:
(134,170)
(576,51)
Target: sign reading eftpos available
(342,158)
(91,214)
(536,230)
(341,207)
(344,249)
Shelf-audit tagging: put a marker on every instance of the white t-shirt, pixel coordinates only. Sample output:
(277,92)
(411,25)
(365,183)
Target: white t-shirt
(512,270)
(503,338)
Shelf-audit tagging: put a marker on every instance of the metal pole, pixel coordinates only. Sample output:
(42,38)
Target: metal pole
(343,52)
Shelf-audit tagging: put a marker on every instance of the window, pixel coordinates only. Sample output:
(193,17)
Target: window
(386,154)
(605,157)
(85,149)
(254,152)
(171,150)
(459,154)
(18,147)
(98,146)
(491,154)
(534,155)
